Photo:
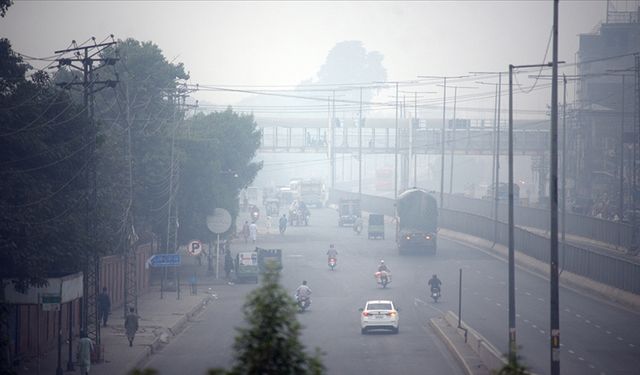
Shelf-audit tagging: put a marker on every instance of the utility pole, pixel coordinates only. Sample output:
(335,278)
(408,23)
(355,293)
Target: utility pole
(553,257)
(360,148)
(453,134)
(395,153)
(444,129)
(85,55)
(636,146)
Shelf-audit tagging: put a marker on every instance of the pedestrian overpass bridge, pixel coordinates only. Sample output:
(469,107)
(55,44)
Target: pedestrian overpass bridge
(470,137)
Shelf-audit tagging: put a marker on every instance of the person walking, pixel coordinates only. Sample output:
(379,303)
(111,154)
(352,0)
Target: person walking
(228,264)
(253,232)
(104,306)
(131,325)
(193,282)
(245,231)
(83,353)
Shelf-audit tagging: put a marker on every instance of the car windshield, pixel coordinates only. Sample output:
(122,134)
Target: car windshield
(379,306)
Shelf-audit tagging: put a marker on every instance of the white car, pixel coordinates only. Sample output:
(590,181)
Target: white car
(379,314)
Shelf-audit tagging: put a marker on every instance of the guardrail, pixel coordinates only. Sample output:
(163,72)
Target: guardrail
(606,231)
(604,268)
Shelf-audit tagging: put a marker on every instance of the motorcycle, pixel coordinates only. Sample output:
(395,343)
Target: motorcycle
(435,293)
(383,278)
(332,263)
(303,303)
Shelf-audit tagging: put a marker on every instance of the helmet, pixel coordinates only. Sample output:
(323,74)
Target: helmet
(304,282)
(381,261)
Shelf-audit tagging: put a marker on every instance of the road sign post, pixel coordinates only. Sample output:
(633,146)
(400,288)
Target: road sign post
(218,223)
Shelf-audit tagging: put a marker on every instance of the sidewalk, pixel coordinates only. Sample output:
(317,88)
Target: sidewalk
(160,320)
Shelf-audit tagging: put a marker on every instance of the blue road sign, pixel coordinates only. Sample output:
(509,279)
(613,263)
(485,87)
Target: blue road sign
(164,260)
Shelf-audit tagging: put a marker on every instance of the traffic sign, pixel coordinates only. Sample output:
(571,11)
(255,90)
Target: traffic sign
(220,221)
(194,248)
(164,260)
(50,301)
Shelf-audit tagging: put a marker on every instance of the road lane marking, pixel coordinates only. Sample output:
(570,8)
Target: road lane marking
(498,304)
(597,326)
(571,352)
(632,346)
(608,332)
(567,310)
(542,331)
(540,299)
(619,338)
(580,359)
(587,321)
(527,293)
(578,316)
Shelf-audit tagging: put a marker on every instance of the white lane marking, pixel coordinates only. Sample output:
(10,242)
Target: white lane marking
(540,299)
(527,293)
(571,352)
(587,321)
(597,326)
(578,316)
(526,320)
(632,346)
(592,366)
(498,304)
(542,331)
(534,326)
(561,345)
(608,332)
(580,359)
(567,310)
(619,338)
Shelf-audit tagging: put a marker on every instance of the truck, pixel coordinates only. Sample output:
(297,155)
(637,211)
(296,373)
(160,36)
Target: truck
(310,191)
(416,222)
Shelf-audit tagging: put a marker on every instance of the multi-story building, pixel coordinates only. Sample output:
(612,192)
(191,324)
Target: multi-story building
(604,134)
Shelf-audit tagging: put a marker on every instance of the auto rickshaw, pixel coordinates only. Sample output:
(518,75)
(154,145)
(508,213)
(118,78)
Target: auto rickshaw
(375,227)
(348,211)
(272,207)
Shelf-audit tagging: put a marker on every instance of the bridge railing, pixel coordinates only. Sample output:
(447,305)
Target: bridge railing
(608,269)
(609,232)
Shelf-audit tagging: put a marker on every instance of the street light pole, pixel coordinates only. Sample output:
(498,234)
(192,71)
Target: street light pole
(442,138)
(360,148)
(395,169)
(553,257)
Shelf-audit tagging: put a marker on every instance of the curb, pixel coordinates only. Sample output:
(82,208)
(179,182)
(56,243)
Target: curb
(447,341)
(175,329)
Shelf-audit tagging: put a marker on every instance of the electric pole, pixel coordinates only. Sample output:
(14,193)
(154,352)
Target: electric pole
(553,257)
(85,56)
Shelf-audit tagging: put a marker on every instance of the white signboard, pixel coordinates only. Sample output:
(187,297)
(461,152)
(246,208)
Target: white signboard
(220,221)
(194,248)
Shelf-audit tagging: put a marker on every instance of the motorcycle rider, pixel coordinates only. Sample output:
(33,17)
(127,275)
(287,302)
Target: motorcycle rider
(357,225)
(283,223)
(303,292)
(435,283)
(332,252)
(383,267)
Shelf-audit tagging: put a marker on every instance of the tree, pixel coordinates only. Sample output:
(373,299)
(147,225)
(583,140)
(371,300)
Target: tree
(216,153)
(271,342)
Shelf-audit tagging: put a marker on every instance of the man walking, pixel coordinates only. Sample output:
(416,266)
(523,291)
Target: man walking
(131,325)
(228,264)
(104,306)
(253,231)
(85,347)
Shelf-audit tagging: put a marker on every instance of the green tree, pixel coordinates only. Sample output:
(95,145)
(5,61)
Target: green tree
(271,342)
(216,153)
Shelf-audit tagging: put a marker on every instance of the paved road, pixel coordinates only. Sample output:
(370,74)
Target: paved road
(597,338)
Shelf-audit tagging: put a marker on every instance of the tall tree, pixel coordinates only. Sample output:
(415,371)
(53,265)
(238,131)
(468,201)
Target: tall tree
(216,162)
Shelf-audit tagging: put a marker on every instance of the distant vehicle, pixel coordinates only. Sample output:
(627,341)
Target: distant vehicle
(348,211)
(379,314)
(375,229)
(310,191)
(285,196)
(503,192)
(417,221)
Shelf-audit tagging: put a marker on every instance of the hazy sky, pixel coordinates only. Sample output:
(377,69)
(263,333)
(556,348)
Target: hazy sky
(283,43)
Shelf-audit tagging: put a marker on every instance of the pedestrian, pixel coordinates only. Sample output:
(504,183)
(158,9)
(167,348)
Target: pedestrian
(104,306)
(131,325)
(228,264)
(83,353)
(253,231)
(193,282)
(245,231)
(268,224)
